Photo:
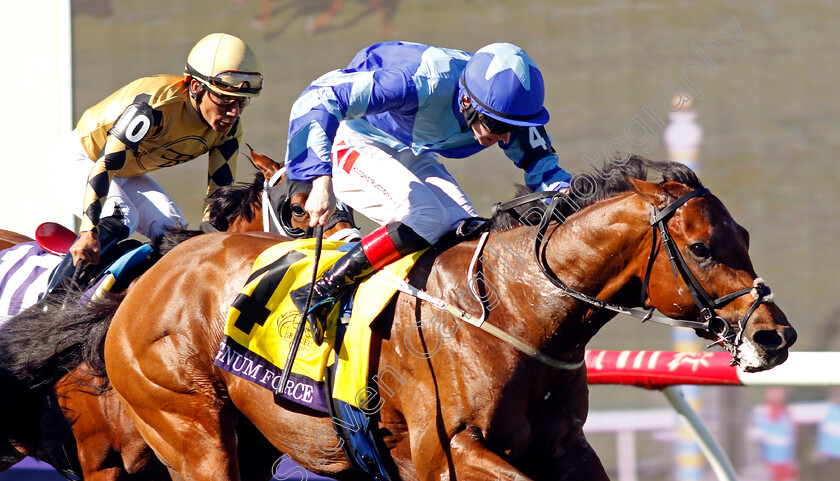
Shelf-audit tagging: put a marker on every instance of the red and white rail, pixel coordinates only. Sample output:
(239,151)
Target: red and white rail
(665,370)
(660,369)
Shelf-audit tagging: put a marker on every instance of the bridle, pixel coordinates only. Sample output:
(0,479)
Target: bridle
(708,321)
(277,210)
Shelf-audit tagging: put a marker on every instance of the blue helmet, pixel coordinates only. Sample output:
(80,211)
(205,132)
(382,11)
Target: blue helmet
(504,83)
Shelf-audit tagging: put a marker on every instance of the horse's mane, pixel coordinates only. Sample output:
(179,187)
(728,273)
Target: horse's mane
(603,183)
(235,201)
(43,343)
(225,205)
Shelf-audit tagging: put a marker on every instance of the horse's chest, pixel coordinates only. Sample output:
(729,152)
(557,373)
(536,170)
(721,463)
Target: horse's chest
(536,425)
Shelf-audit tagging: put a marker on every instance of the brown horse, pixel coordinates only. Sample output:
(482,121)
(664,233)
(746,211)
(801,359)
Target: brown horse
(109,446)
(457,402)
(10,239)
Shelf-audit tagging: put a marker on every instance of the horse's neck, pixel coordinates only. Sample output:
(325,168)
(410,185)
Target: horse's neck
(597,251)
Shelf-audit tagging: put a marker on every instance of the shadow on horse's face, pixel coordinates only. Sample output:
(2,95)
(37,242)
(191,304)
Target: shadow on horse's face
(715,248)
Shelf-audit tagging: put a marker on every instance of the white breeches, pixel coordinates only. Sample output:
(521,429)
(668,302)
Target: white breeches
(386,186)
(145,207)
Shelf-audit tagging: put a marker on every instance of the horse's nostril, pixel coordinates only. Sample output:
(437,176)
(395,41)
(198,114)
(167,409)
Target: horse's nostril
(790,336)
(768,339)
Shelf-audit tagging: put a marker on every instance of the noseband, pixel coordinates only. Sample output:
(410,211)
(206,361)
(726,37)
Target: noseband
(708,321)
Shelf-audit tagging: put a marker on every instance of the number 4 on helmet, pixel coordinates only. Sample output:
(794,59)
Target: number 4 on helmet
(55,238)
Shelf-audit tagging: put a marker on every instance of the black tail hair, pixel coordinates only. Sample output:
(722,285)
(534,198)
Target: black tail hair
(43,343)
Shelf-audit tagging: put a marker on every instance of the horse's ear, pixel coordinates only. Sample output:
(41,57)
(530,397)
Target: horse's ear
(653,193)
(264,163)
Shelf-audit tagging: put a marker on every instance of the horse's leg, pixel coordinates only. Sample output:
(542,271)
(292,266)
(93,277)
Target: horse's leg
(578,461)
(173,404)
(323,18)
(192,433)
(109,446)
(471,459)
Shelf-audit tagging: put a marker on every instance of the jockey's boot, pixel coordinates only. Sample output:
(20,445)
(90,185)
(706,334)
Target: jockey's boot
(375,251)
(111,231)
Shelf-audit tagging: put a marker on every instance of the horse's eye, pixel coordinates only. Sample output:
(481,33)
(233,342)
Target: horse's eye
(700,250)
(298,211)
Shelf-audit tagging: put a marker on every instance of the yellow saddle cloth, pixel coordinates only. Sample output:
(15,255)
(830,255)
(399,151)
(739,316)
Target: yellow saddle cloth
(262,321)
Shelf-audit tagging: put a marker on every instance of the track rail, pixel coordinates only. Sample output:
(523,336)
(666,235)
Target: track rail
(667,370)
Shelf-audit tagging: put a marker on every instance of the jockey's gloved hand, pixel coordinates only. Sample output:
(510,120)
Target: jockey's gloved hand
(111,231)
(561,187)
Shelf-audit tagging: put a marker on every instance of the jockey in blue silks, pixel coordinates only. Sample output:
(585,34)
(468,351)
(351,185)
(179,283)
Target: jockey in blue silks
(371,135)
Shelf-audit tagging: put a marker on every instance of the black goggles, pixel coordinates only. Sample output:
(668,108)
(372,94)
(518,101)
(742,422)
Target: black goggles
(494,126)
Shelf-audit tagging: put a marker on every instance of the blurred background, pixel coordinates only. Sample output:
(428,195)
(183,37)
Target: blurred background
(763,132)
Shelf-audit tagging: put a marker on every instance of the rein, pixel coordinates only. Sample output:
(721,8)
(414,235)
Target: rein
(709,322)
(403,286)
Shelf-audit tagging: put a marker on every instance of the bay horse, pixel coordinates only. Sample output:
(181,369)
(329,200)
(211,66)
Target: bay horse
(10,239)
(109,447)
(458,402)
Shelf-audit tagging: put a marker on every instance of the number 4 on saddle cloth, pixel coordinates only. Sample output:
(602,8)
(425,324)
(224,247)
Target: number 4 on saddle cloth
(26,268)
(330,378)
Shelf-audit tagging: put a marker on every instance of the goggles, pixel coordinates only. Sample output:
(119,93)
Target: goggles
(494,126)
(232,81)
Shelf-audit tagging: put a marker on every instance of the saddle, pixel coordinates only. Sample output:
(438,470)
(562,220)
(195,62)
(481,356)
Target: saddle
(25,269)
(331,377)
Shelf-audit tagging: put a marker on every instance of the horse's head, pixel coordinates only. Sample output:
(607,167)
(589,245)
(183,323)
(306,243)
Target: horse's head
(700,269)
(287,199)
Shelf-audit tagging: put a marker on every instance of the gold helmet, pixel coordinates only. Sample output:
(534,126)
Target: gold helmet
(226,65)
